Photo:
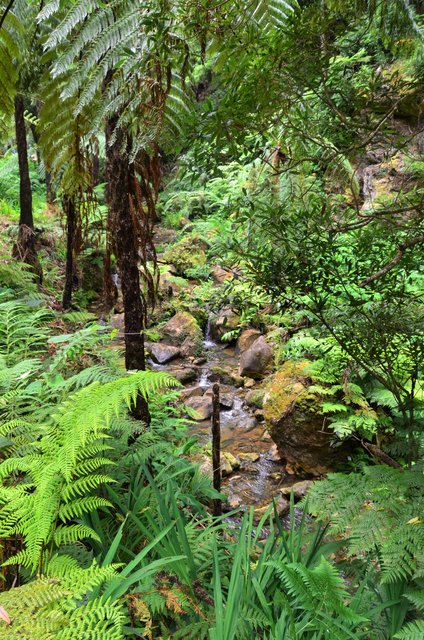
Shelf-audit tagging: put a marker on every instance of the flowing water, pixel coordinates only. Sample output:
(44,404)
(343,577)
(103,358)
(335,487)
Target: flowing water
(260,476)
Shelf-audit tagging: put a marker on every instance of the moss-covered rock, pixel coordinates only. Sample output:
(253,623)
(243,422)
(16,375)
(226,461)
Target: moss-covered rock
(183,330)
(187,253)
(296,423)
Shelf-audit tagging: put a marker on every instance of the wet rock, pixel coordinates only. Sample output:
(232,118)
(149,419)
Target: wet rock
(259,415)
(256,361)
(226,400)
(273,454)
(183,331)
(163,353)
(191,392)
(202,406)
(229,463)
(199,361)
(186,375)
(265,436)
(249,424)
(246,339)
(234,502)
(300,489)
(249,383)
(253,457)
(255,398)
(294,418)
(223,322)
(225,376)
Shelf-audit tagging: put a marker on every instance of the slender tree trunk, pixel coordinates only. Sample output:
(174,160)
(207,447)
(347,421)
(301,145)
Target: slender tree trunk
(69,209)
(216,449)
(24,248)
(119,175)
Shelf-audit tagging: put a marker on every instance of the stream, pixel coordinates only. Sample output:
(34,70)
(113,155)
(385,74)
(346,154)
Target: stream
(260,475)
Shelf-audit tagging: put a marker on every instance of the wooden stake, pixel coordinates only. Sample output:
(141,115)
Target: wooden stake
(216,449)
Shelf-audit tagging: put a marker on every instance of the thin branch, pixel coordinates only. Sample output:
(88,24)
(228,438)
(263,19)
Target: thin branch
(394,261)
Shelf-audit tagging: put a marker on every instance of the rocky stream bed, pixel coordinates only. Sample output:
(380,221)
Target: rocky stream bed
(253,473)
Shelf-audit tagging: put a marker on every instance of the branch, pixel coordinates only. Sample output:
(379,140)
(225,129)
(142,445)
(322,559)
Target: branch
(6,11)
(394,261)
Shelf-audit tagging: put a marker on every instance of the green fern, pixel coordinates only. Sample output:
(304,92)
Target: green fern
(61,606)
(64,470)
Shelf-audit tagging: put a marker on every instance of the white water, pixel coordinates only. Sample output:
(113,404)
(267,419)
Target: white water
(208,343)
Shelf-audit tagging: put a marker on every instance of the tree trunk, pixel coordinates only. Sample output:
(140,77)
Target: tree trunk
(24,248)
(69,209)
(119,174)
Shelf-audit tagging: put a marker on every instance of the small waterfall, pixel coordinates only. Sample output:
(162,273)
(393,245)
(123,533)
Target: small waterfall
(208,343)
(203,380)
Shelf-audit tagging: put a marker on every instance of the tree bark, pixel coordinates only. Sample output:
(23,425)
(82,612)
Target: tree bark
(24,248)
(216,449)
(119,179)
(69,209)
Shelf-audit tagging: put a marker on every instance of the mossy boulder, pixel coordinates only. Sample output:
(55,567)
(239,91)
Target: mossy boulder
(223,322)
(296,424)
(183,330)
(187,253)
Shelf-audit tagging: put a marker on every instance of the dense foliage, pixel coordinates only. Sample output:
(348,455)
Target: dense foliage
(177,159)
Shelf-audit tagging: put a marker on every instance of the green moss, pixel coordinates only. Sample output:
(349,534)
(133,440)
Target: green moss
(288,388)
(187,254)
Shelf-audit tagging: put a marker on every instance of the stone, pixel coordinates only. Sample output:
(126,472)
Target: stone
(186,375)
(201,405)
(187,253)
(117,321)
(246,339)
(295,421)
(183,330)
(226,401)
(225,376)
(255,398)
(229,463)
(265,436)
(249,383)
(234,501)
(255,362)
(273,454)
(300,489)
(259,415)
(191,392)
(253,457)
(223,322)
(199,361)
(220,275)
(163,353)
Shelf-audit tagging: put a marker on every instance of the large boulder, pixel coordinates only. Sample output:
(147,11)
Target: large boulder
(186,254)
(296,423)
(246,339)
(201,405)
(163,353)
(183,331)
(256,360)
(223,322)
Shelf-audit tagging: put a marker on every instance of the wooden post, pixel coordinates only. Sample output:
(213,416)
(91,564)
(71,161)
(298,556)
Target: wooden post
(216,449)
